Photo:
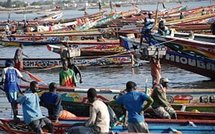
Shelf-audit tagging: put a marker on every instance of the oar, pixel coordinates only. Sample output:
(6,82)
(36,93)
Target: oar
(34,77)
(50,67)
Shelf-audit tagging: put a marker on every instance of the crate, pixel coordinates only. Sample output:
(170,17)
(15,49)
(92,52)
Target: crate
(154,51)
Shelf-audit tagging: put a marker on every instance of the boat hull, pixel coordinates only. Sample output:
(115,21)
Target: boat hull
(192,55)
(49,63)
(155,126)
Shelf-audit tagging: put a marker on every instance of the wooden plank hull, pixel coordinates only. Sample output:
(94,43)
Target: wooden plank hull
(98,50)
(28,43)
(195,55)
(38,63)
(155,126)
(174,96)
(192,55)
(80,109)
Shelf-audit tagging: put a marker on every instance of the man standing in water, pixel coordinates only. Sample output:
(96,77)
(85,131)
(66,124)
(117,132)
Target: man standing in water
(68,55)
(67,76)
(133,102)
(10,79)
(18,59)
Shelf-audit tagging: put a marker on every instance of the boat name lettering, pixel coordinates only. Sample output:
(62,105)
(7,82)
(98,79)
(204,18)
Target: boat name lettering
(191,62)
(41,63)
(87,37)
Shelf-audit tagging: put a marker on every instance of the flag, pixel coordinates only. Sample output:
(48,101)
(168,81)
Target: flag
(100,7)
(111,7)
(163,5)
(125,43)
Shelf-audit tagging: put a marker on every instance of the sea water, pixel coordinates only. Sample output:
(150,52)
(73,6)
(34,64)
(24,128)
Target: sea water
(113,77)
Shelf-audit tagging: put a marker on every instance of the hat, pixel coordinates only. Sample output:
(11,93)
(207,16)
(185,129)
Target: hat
(130,85)
(164,80)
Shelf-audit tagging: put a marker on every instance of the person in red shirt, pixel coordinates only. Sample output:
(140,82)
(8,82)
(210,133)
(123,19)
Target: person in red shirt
(18,57)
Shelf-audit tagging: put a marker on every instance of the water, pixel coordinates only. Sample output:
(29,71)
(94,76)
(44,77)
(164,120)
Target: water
(113,77)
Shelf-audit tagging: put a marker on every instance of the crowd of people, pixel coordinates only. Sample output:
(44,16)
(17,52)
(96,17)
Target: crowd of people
(133,101)
(99,119)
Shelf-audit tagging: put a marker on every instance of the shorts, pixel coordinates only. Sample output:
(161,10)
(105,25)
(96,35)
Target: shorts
(140,127)
(37,125)
(12,96)
(164,112)
(19,65)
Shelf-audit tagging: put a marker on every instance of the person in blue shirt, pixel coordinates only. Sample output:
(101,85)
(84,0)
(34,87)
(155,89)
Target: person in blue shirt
(10,80)
(133,101)
(32,112)
(52,101)
(146,30)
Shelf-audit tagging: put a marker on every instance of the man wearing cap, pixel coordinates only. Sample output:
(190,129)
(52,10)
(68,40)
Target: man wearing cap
(32,112)
(10,79)
(161,106)
(133,102)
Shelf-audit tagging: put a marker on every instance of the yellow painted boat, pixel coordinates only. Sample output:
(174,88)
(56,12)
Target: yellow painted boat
(9,43)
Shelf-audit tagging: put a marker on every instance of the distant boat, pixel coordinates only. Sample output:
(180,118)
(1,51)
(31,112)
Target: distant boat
(57,15)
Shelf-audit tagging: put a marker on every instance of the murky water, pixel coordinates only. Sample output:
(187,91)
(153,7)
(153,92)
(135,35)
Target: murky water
(114,77)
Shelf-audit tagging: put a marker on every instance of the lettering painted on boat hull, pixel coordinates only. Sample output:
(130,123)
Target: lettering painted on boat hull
(191,62)
(41,63)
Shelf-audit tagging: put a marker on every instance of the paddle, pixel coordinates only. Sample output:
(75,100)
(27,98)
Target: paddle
(34,77)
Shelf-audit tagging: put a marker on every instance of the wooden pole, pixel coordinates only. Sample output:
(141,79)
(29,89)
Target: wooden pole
(156,16)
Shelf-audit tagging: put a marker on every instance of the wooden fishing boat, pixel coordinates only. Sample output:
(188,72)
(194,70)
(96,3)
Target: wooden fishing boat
(98,50)
(174,96)
(186,13)
(194,54)
(101,42)
(193,19)
(196,28)
(155,126)
(80,108)
(32,23)
(100,61)
(57,15)
(44,41)
(57,38)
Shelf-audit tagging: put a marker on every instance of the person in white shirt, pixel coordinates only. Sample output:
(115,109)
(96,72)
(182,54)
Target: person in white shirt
(99,116)
(99,119)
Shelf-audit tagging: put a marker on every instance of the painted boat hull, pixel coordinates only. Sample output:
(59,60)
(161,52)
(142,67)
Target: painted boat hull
(28,43)
(192,55)
(174,96)
(49,63)
(99,50)
(155,126)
